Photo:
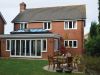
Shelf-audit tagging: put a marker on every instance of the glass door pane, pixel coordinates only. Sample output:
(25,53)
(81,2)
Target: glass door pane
(27,47)
(22,47)
(38,48)
(12,47)
(17,47)
(33,48)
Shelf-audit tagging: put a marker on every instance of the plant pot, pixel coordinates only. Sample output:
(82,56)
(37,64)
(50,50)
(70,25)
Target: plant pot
(59,70)
(80,67)
(68,71)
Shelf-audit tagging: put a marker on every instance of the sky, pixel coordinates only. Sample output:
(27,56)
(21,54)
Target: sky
(10,8)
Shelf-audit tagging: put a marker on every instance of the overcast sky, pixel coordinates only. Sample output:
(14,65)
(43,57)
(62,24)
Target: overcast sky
(10,8)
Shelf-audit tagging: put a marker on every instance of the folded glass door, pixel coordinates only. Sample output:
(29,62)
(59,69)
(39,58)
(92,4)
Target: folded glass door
(36,48)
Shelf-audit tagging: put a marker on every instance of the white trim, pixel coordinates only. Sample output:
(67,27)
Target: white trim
(15,47)
(30,47)
(48,21)
(72,43)
(29,36)
(27,56)
(20,47)
(25,48)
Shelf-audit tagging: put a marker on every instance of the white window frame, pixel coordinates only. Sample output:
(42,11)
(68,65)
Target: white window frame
(68,24)
(9,45)
(42,45)
(72,43)
(47,25)
(23,26)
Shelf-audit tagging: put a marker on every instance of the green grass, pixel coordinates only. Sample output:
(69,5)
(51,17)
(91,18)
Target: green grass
(25,67)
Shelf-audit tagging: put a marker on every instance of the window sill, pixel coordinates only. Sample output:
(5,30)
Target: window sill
(7,50)
(71,29)
(43,51)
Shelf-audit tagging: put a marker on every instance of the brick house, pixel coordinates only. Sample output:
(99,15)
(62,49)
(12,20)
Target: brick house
(39,32)
(2,23)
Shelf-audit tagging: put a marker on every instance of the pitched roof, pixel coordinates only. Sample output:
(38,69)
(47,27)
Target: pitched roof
(52,13)
(2,18)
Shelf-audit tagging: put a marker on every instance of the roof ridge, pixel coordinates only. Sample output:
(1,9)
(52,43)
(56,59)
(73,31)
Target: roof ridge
(56,6)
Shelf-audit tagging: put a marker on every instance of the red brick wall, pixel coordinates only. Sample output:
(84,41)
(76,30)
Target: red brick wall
(58,28)
(50,48)
(1,26)
(35,25)
(1,31)
(16,26)
(30,25)
(4,53)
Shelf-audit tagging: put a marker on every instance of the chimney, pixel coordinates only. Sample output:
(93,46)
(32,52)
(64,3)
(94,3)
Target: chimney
(22,7)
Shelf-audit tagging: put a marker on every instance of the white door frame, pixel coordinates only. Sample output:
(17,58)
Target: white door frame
(25,48)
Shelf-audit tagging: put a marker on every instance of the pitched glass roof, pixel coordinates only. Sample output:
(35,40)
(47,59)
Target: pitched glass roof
(38,30)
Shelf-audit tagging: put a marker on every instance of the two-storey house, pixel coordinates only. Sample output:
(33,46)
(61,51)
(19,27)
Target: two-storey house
(39,32)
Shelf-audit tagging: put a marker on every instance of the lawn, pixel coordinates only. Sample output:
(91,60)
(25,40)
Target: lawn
(25,67)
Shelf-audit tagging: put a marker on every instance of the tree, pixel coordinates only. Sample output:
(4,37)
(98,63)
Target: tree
(93,29)
(98,29)
(99,11)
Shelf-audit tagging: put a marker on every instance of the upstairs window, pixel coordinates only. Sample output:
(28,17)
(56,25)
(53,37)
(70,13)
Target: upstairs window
(23,26)
(47,25)
(70,25)
(71,43)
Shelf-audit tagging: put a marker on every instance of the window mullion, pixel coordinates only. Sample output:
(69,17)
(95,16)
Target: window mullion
(47,25)
(72,25)
(68,24)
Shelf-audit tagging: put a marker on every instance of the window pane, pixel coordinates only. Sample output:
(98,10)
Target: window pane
(12,47)
(70,24)
(56,44)
(49,25)
(74,44)
(70,43)
(27,47)
(25,27)
(17,47)
(66,43)
(33,47)
(21,26)
(8,44)
(38,47)
(44,45)
(45,25)
(22,47)
(66,24)
(74,24)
